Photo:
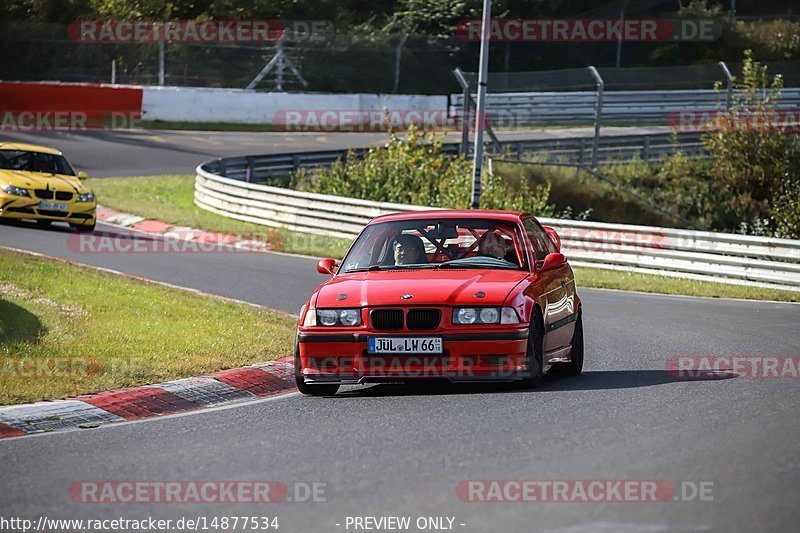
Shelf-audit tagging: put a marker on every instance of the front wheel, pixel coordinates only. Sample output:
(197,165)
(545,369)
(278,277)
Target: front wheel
(323,389)
(84,228)
(534,356)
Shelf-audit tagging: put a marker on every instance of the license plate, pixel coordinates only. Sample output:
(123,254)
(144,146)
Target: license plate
(404,345)
(54,206)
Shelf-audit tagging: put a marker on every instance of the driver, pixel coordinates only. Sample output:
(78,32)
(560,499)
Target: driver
(492,245)
(407,250)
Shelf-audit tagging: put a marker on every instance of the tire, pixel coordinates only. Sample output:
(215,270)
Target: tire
(326,389)
(84,228)
(534,356)
(574,367)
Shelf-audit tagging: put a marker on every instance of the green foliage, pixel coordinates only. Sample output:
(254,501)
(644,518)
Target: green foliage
(755,159)
(411,169)
(786,210)
(778,39)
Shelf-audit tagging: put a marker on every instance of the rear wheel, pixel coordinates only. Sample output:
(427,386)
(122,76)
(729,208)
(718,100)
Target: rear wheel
(325,389)
(534,357)
(575,366)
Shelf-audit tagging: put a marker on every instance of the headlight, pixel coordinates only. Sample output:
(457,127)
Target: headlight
(466,315)
(489,315)
(485,315)
(16,191)
(86,197)
(339,317)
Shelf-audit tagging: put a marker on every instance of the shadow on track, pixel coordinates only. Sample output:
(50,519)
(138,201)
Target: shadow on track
(591,380)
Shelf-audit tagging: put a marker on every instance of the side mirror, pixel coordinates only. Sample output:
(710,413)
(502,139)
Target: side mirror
(553,261)
(327,266)
(553,237)
(82,175)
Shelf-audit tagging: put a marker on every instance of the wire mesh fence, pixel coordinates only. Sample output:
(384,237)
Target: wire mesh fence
(347,63)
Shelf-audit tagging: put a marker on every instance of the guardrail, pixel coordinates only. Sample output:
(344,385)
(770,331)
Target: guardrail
(569,150)
(579,107)
(701,255)
(578,150)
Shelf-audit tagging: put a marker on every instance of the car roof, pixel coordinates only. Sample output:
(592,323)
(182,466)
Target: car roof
(510,216)
(29,148)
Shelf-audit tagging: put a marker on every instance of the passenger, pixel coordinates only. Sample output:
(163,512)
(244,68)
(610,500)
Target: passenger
(409,250)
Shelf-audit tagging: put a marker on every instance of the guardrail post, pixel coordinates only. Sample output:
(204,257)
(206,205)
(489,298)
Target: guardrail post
(295,162)
(646,148)
(248,173)
(462,80)
(597,113)
(728,84)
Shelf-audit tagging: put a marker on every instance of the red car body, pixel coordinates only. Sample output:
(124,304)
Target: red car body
(540,288)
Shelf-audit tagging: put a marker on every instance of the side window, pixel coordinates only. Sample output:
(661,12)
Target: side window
(539,240)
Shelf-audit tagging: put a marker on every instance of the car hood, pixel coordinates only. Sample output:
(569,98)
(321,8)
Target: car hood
(41,180)
(426,287)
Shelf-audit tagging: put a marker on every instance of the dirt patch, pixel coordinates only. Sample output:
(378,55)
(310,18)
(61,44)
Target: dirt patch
(12,291)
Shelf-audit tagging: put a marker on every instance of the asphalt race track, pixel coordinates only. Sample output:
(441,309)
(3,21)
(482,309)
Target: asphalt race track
(106,153)
(400,451)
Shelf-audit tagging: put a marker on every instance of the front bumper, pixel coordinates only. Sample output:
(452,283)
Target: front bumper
(23,207)
(327,357)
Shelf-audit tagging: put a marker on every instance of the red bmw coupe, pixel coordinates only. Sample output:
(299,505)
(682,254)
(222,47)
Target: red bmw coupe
(456,295)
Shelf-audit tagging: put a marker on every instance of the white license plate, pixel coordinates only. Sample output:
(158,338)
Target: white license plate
(54,206)
(404,345)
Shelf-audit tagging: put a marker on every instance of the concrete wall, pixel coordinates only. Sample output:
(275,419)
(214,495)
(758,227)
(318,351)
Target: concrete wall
(236,105)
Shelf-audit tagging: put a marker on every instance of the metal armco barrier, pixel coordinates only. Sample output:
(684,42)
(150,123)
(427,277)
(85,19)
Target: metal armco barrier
(569,150)
(579,107)
(738,259)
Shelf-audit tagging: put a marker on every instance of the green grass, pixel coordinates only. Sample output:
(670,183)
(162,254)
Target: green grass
(96,331)
(171,199)
(633,281)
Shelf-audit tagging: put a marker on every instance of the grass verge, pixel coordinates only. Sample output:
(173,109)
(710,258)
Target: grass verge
(634,281)
(67,330)
(171,199)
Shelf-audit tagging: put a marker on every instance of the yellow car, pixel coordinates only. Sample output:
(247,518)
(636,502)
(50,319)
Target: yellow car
(38,183)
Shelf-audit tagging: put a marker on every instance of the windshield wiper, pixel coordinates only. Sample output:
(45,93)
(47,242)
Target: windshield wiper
(364,269)
(460,263)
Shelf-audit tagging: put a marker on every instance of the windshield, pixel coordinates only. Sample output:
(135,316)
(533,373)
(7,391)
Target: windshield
(437,243)
(35,162)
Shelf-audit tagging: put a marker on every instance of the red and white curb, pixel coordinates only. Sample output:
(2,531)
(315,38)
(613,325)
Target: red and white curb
(189,394)
(170,231)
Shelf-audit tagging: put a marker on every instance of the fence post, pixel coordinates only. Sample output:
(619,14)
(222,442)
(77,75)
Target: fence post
(597,113)
(113,71)
(728,83)
(398,53)
(162,75)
